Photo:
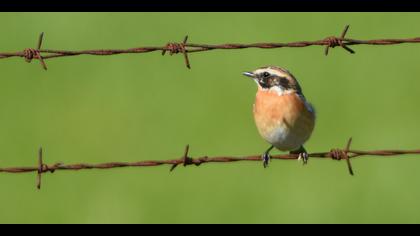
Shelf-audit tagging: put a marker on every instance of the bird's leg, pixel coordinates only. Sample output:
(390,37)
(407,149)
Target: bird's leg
(266,156)
(303,154)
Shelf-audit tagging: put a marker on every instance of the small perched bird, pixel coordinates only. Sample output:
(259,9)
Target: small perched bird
(283,116)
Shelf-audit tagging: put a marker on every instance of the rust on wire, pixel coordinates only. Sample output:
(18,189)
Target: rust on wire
(185,160)
(185,48)
(175,48)
(30,53)
(333,41)
(338,154)
(43,168)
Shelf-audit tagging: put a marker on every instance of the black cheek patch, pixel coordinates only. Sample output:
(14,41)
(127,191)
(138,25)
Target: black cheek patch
(284,82)
(264,84)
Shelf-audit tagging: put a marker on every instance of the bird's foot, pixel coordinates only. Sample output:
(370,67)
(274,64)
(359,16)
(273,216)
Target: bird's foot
(266,158)
(304,157)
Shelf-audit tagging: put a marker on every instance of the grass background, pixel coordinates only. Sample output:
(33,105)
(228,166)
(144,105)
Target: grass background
(138,107)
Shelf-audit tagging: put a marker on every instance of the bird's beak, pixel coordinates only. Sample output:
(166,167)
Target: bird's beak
(249,74)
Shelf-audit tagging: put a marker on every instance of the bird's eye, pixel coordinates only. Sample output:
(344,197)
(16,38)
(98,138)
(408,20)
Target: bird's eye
(266,74)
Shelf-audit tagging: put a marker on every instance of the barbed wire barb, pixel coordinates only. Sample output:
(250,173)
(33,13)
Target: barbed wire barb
(31,53)
(175,48)
(185,159)
(334,41)
(346,150)
(40,168)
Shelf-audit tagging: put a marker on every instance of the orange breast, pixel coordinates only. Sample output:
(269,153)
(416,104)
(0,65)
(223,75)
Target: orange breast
(284,121)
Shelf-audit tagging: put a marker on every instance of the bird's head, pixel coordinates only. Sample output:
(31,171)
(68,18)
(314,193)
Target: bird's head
(272,78)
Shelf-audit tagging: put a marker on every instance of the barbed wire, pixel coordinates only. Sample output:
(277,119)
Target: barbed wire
(185,48)
(42,55)
(186,160)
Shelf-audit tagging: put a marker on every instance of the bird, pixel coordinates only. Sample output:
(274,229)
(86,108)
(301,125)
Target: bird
(283,116)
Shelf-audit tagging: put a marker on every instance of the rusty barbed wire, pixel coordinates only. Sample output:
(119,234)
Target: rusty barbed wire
(185,48)
(186,160)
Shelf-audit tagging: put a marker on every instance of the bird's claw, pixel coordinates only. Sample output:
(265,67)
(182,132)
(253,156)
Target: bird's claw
(266,158)
(304,157)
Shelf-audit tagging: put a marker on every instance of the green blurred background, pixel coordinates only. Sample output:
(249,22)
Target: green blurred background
(145,106)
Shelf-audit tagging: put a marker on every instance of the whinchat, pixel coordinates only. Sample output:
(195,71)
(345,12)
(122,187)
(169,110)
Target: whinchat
(282,114)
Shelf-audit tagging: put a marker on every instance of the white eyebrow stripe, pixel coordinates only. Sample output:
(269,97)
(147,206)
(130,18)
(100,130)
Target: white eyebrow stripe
(278,72)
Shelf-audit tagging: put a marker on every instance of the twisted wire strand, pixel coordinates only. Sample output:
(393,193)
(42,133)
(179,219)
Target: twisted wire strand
(185,48)
(186,160)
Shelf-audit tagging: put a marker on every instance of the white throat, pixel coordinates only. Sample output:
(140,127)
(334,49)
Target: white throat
(277,90)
